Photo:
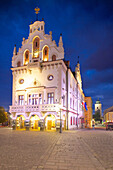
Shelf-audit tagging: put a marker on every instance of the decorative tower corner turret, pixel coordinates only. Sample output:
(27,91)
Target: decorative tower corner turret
(15,51)
(77,73)
(61,44)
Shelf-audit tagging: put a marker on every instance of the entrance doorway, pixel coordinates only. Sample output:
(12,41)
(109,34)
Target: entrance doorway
(50,122)
(20,121)
(34,121)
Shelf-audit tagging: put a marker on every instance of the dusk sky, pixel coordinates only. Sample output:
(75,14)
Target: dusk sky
(87,31)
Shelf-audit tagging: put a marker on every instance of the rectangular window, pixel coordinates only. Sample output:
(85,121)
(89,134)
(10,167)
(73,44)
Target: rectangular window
(70,102)
(40,98)
(73,103)
(71,121)
(33,99)
(50,99)
(21,100)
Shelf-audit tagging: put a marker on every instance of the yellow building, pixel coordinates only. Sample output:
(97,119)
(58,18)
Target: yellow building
(88,112)
(108,114)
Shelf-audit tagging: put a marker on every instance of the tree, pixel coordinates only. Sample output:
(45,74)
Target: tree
(3,115)
(96,116)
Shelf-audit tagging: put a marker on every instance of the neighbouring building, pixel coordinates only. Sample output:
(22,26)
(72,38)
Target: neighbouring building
(108,114)
(88,112)
(98,108)
(45,90)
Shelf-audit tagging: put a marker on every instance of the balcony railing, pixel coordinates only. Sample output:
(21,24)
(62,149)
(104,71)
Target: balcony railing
(49,107)
(34,108)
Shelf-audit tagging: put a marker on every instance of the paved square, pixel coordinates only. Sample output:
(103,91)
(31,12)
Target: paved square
(76,150)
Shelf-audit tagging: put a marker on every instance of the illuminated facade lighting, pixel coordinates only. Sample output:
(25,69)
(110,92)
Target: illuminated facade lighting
(45,91)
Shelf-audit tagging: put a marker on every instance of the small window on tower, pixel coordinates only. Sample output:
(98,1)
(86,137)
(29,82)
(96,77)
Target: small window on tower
(36,44)
(41,27)
(18,64)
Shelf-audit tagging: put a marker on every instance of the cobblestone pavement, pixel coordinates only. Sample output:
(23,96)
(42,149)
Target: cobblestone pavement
(73,150)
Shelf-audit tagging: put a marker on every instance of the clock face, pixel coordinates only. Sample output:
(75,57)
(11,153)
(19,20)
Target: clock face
(50,77)
(21,81)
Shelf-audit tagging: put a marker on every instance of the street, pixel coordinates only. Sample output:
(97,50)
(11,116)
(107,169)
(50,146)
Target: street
(74,149)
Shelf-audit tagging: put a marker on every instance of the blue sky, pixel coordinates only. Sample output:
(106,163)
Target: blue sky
(87,31)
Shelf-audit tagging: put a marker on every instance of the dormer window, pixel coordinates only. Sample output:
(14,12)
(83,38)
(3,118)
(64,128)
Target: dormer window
(26,57)
(36,44)
(18,64)
(46,53)
(41,27)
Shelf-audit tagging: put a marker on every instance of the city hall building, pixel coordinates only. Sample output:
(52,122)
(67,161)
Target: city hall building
(45,90)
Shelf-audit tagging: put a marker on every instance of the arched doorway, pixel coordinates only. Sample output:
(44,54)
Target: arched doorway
(50,122)
(34,121)
(20,121)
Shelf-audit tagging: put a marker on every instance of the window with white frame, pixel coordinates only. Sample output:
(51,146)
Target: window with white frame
(70,102)
(33,99)
(50,98)
(40,98)
(21,99)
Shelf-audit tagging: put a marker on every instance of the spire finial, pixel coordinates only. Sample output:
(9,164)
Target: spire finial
(37,11)
(78,59)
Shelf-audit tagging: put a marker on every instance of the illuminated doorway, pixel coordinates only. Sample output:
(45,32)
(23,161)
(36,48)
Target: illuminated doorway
(50,122)
(20,121)
(34,121)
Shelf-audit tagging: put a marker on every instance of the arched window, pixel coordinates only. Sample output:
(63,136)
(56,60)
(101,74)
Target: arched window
(26,57)
(45,53)
(53,57)
(36,44)
(18,64)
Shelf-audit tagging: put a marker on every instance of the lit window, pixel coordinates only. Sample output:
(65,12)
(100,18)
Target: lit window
(21,100)
(33,99)
(45,53)
(50,98)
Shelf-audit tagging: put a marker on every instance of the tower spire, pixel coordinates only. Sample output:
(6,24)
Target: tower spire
(37,11)
(15,50)
(78,59)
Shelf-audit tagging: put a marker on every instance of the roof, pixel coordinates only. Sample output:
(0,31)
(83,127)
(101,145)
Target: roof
(110,109)
(98,102)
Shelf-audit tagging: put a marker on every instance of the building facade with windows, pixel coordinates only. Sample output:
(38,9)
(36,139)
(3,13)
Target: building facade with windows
(44,87)
(88,112)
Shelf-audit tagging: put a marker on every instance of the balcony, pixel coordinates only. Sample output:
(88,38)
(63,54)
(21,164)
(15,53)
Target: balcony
(49,107)
(33,108)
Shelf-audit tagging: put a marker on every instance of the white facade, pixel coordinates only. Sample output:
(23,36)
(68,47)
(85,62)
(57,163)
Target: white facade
(44,87)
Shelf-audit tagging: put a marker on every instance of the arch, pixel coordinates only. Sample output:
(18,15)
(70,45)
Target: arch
(45,53)
(34,119)
(52,113)
(50,120)
(18,64)
(53,57)
(36,46)
(20,121)
(26,57)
